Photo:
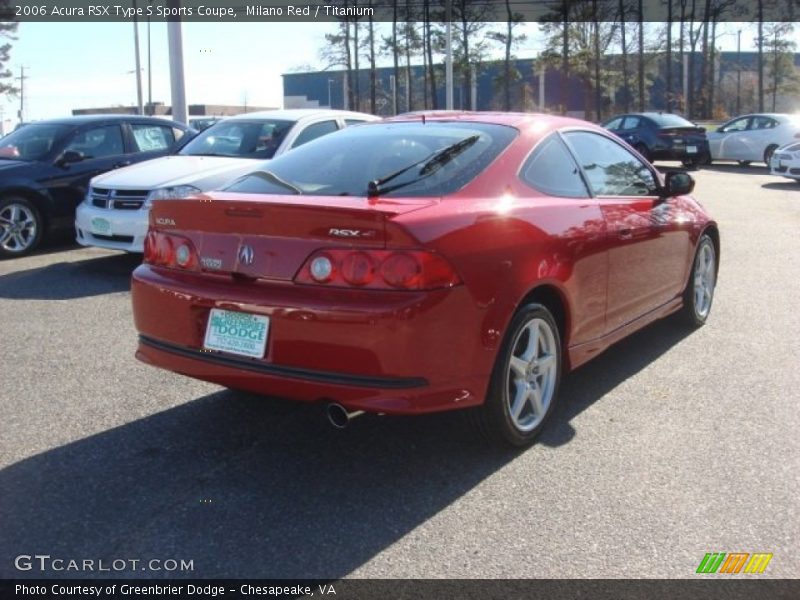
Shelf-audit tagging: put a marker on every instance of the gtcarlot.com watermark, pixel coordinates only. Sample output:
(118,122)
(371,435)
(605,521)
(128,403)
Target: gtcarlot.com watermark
(44,563)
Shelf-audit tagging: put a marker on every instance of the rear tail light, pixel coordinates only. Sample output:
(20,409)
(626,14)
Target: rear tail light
(169,250)
(378,269)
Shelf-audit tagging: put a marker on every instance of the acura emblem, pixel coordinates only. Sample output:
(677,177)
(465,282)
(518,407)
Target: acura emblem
(246,255)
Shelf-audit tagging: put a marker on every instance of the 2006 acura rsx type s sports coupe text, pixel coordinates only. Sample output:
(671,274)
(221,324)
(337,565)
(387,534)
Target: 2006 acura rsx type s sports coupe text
(425,263)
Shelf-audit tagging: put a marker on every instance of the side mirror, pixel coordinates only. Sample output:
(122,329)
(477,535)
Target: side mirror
(678,183)
(70,156)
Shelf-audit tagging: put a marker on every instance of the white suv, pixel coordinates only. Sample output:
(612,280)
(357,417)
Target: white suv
(114,213)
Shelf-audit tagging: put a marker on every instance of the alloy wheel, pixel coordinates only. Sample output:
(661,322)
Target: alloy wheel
(532,374)
(704,279)
(18,228)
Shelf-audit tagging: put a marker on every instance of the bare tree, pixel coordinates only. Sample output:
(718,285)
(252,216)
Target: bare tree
(509,40)
(780,48)
(337,53)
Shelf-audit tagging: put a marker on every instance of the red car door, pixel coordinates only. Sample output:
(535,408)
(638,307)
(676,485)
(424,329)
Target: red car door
(647,246)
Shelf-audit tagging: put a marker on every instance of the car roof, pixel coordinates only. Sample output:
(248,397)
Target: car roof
(765,114)
(80,119)
(298,114)
(514,119)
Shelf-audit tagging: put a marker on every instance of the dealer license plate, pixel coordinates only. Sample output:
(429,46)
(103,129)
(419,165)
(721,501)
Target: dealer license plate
(236,333)
(100,225)
(691,149)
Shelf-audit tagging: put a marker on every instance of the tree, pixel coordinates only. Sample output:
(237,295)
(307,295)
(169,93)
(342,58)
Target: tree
(337,53)
(780,49)
(509,40)
(7,31)
(591,27)
(470,46)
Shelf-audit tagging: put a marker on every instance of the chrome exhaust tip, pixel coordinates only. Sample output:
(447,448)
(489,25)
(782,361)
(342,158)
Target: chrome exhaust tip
(338,415)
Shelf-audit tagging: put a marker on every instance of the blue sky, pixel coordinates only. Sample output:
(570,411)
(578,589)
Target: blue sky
(75,65)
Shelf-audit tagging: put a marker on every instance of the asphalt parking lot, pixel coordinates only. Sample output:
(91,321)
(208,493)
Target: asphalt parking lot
(670,445)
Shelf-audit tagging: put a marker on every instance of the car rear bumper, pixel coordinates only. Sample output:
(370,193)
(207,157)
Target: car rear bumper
(387,352)
(683,152)
(115,229)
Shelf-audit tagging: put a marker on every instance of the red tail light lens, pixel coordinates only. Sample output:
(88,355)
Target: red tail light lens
(378,269)
(168,250)
(358,268)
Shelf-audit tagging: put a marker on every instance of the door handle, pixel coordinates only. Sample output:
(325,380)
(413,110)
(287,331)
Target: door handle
(625,234)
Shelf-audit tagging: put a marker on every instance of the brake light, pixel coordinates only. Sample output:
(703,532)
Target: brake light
(378,269)
(169,250)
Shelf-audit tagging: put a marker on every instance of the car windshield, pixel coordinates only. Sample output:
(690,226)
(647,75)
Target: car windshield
(387,159)
(32,142)
(242,139)
(668,120)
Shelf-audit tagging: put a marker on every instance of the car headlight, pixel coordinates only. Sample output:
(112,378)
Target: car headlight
(170,193)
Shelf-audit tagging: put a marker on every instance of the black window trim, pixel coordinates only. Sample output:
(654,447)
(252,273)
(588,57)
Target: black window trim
(535,148)
(592,193)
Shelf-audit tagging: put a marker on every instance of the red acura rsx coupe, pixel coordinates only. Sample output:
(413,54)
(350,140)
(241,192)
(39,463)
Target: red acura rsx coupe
(425,263)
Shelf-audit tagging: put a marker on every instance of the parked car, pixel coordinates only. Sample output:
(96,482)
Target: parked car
(114,213)
(785,161)
(662,136)
(425,264)
(753,138)
(45,168)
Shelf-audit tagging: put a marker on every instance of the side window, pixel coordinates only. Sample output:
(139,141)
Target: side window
(614,123)
(737,125)
(98,142)
(150,138)
(351,122)
(631,123)
(610,168)
(763,123)
(314,131)
(552,170)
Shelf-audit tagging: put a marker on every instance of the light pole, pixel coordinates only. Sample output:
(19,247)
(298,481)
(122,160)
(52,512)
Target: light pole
(138,64)
(330,83)
(149,69)
(739,72)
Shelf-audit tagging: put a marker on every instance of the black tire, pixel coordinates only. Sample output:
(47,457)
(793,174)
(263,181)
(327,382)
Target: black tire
(690,163)
(769,152)
(744,163)
(494,419)
(20,226)
(695,310)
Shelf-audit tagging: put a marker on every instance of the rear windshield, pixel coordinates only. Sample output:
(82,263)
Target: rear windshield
(668,120)
(239,138)
(393,159)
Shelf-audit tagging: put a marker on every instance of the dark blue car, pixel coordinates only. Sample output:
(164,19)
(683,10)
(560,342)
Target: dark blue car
(45,168)
(662,136)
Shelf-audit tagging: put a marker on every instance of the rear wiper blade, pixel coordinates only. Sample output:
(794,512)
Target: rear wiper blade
(430,164)
(272,178)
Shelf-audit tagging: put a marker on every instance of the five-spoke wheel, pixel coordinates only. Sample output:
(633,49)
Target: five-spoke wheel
(524,384)
(699,292)
(20,227)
